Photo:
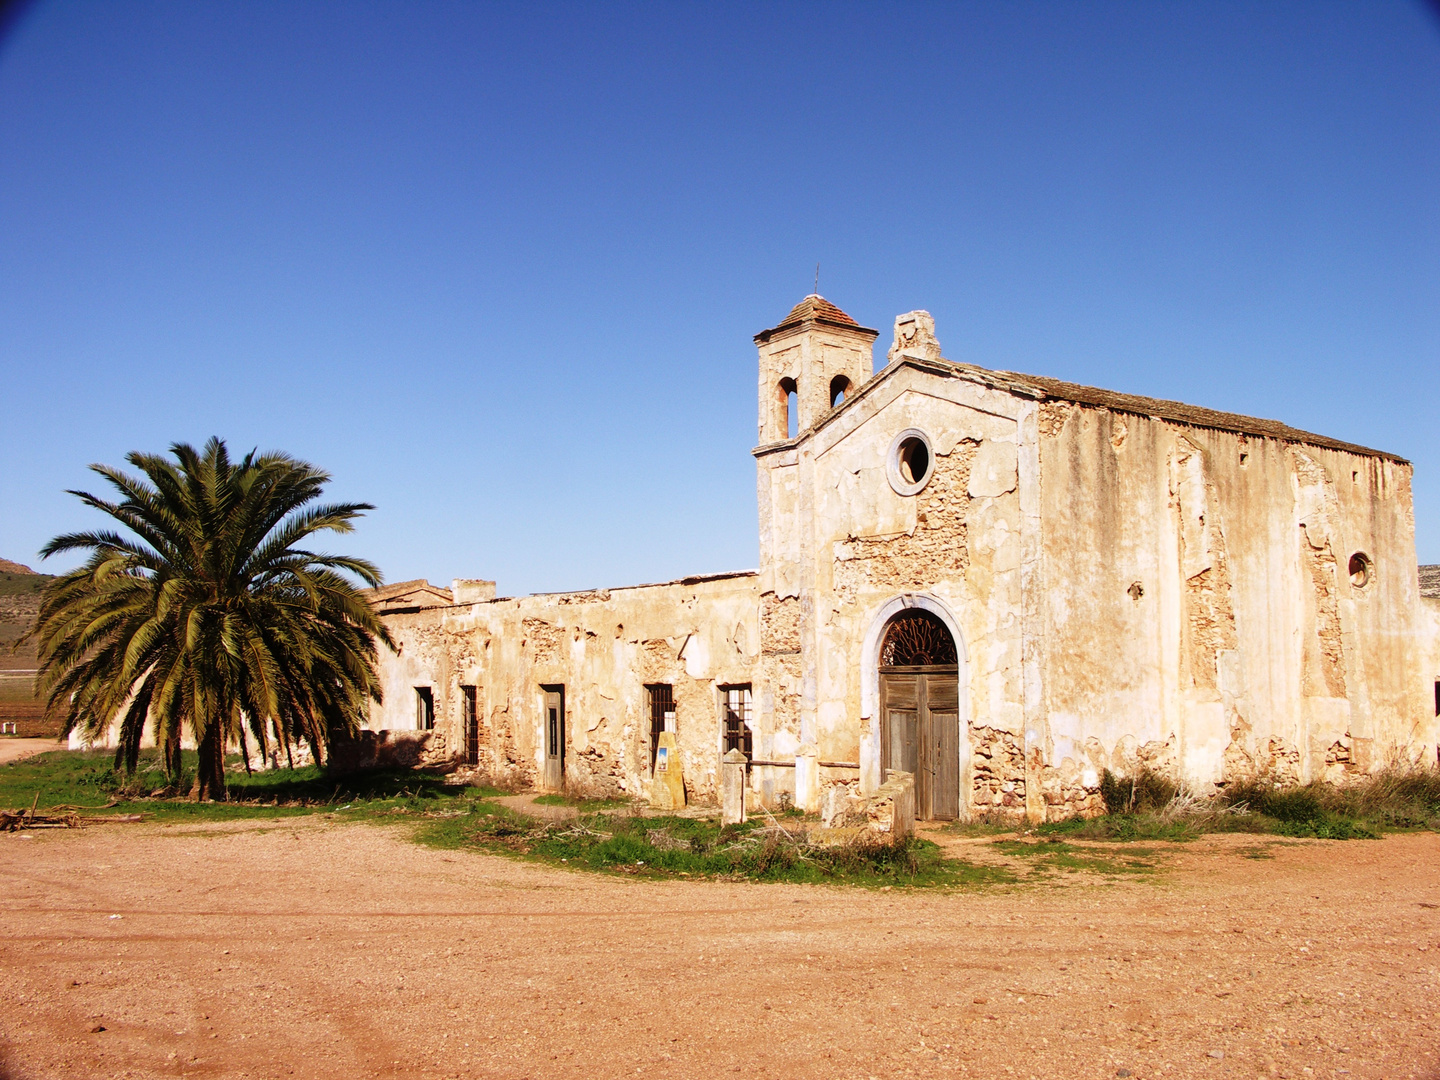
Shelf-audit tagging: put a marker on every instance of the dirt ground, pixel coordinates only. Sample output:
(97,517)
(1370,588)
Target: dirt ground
(15,749)
(308,948)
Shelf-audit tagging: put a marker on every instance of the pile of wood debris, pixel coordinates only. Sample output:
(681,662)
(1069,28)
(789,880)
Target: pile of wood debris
(57,817)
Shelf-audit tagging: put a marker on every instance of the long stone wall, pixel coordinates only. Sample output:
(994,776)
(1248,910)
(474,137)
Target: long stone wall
(603,647)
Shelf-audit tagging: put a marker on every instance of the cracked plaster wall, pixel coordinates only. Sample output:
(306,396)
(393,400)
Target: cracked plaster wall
(1199,617)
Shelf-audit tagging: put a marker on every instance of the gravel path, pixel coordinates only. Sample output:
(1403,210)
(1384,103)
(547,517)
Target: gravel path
(308,948)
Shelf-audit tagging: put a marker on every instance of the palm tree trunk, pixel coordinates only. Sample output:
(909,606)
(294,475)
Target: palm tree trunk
(172,755)
(210,771)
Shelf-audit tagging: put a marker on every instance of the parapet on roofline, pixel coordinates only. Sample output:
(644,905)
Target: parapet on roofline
(1430,581)
(598,594)
(1043,388)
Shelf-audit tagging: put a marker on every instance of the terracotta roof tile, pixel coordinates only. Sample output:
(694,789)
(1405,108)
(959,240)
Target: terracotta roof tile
(1182,413)
(1042,387)
(817,309)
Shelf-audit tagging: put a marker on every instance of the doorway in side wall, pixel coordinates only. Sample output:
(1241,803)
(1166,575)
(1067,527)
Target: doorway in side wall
(554,737)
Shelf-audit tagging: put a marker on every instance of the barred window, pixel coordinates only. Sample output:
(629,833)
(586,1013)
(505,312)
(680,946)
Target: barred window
(662,714)
(472,726)
(735,705)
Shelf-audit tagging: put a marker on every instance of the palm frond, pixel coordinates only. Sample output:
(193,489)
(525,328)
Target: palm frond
(204,612)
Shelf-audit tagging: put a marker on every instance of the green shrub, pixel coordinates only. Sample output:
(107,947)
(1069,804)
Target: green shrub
(1294,805)
(690,847)
(1145,791)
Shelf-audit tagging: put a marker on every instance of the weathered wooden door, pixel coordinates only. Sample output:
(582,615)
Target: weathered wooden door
(554,737)
(920,734)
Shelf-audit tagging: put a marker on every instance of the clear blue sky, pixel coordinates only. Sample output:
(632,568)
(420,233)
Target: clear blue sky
(497,268)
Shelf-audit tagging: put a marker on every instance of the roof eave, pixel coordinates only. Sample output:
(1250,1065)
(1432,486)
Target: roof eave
(813,322)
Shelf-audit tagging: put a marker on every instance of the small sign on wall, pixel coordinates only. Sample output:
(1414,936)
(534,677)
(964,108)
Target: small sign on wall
(667,784)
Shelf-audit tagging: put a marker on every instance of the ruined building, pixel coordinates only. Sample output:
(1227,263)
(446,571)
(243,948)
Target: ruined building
(1002,583)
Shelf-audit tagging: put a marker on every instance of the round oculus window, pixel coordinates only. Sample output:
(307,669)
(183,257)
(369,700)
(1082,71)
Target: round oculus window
(911,462)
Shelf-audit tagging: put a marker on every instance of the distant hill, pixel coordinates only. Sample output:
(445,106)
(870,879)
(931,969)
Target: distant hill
(8,567)
(20,584)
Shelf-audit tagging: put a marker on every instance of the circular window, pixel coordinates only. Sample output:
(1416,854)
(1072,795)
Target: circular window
(1360,569)
(911,461)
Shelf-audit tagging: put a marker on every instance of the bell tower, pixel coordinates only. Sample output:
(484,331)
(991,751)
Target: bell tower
(819,355)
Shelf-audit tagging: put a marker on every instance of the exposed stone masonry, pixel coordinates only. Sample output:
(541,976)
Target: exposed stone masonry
(937,548)
(998,770)
(1320,564)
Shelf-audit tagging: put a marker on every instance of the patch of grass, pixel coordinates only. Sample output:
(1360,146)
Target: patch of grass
(88,780)
(1256,853)
(1395,798)
(1055,854)
(1361,812)
(1392,799)
(1121,828)
(582,804)
(979,826)
(670,847)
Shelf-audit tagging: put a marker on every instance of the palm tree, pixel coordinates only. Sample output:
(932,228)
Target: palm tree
(208,615)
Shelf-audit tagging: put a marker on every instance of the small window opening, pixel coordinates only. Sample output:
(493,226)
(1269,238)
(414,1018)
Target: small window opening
(424,708)
(790,416)
(1244,457)
(1437,697)
(662,714)
(735,704)
(839,388)
(1360,569)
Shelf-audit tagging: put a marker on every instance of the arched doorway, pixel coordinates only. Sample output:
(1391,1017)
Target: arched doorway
(920,709)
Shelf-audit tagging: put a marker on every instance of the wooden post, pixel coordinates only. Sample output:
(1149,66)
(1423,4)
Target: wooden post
(732,787)
(807,779)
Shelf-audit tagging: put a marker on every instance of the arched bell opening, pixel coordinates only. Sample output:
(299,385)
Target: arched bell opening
(920,715)
(787,399)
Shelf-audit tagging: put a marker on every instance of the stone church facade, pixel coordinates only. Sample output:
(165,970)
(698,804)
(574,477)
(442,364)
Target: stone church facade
(1001,583)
